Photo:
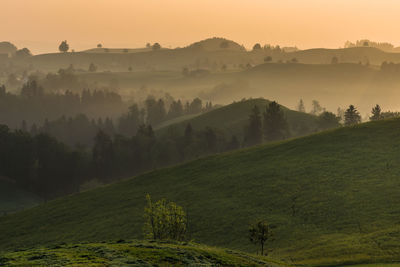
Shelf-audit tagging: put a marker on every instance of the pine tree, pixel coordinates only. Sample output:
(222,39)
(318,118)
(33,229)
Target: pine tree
(301,107)
(376,113)
(275,125)
(254,133)
(351,116)
(103,155)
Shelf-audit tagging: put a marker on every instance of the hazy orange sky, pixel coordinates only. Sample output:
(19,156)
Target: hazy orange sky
(41,24)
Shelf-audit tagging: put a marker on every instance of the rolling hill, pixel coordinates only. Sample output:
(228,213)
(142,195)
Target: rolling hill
(210,53)
(331,197)
(216,44)
(233,118)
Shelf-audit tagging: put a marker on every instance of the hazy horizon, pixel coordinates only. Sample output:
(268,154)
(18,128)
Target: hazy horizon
(177,23)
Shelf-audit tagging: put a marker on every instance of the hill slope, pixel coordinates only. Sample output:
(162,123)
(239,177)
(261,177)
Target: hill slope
(128,253)
(332,197)
(233,118)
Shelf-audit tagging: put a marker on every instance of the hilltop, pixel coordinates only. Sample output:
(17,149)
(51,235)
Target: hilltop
(217,44)
(133,253)
(332,198)
(7,48)
(233,118)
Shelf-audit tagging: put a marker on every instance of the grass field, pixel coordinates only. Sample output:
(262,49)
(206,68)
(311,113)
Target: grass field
(133,253)
(331,197)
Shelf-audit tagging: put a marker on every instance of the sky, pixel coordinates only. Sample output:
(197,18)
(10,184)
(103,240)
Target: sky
(41,25)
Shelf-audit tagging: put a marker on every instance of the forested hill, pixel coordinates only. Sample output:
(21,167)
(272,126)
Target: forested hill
(233,118)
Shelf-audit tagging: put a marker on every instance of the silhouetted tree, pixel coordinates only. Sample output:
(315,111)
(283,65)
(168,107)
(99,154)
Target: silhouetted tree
(253,133)
(275,126)
(334,60)
(175,109)
(92,67)
(351,116)
(103,155)
(195,106)
(268,59)
(327,120)
(259,234)
(31,89)
(300,106)
(316,108)
(156,46)
(376,113)
(129,123)
(257,46)
(156,112)
(63,47)
(23,53)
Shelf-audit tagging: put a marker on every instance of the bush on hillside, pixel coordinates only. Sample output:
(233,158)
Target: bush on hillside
(164,220)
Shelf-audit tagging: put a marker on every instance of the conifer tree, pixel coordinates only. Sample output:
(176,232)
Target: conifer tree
(376,113)
(351,116)
(301,107)
(275,125)
(254,133)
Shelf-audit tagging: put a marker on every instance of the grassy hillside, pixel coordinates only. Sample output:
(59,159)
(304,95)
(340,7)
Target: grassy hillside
(132,253)
(233,118)
(332,198)
(13,199)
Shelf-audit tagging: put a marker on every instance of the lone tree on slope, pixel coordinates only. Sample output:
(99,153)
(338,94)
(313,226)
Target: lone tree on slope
(351,116)
(164,220)
(64,46)
(260,233)
(376,113)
